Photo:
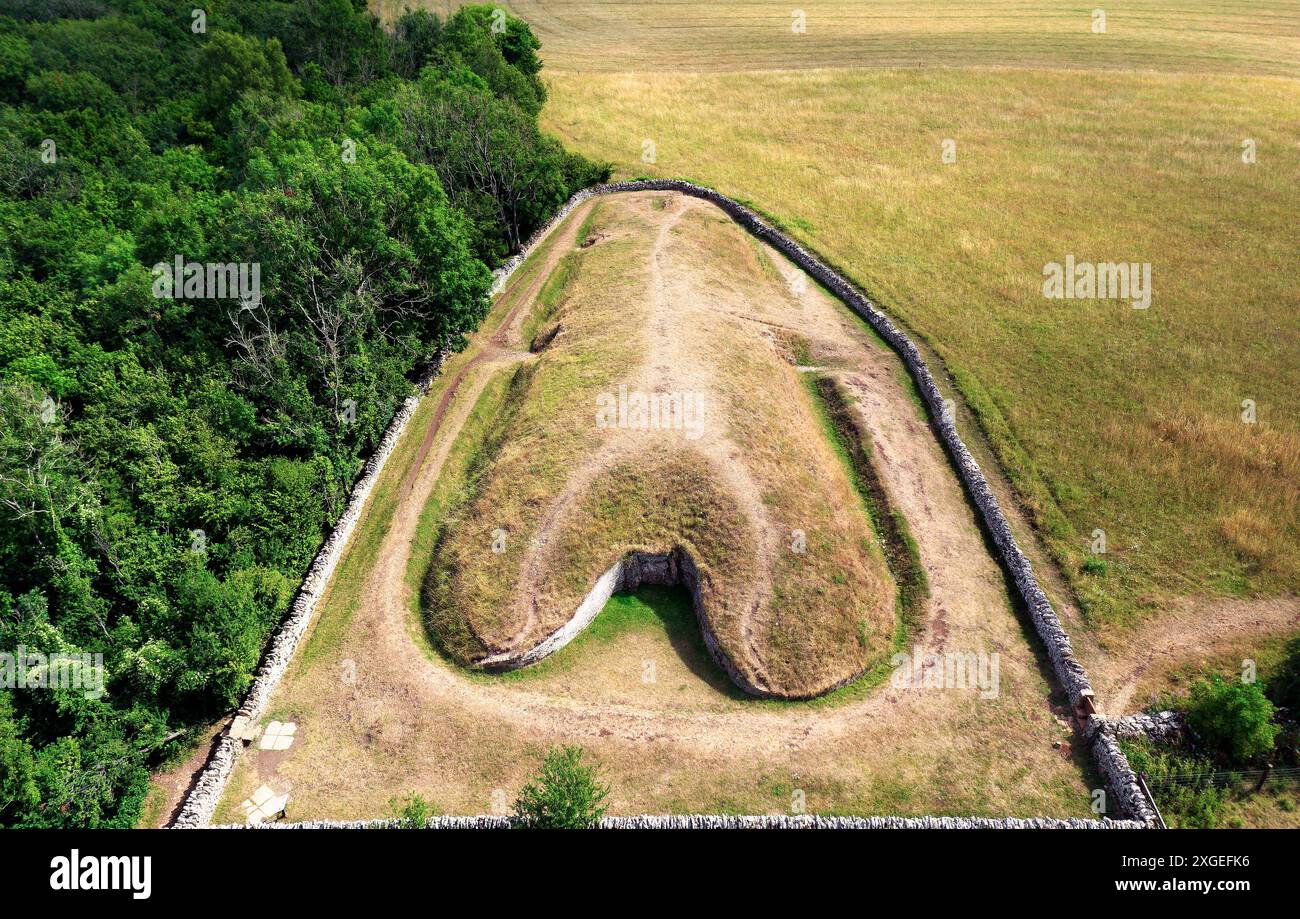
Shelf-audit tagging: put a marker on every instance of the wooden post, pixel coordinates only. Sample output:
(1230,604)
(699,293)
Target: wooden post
(1160,820)
(1268,767)
(1086,705)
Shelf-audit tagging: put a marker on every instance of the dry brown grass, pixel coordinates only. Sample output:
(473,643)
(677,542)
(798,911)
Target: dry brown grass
(1262,36)
(552,404)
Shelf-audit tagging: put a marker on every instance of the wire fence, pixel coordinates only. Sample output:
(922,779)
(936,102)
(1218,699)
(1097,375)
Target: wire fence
(1226,777)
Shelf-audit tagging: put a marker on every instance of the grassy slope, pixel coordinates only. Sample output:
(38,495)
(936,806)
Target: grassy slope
(1104,417)
(470,585)
(774,420)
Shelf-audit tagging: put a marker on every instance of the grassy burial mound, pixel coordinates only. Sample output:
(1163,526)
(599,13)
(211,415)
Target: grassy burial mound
(683,742)
(660,422)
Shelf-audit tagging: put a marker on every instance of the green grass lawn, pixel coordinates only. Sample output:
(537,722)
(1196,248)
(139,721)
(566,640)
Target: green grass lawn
(661,612)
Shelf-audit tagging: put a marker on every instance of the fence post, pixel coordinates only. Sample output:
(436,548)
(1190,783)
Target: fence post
(1268,767)
(1160,820)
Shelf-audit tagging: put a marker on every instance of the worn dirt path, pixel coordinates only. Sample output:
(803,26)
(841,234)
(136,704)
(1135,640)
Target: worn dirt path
(1194,631)
(673,366)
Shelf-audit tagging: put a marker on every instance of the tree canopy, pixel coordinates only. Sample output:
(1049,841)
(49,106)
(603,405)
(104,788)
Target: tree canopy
(172,455)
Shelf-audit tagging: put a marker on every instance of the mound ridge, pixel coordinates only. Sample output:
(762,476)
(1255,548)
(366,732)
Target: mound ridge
(662,427)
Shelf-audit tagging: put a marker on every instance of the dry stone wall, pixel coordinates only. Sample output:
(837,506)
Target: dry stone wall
(1162,727)
(1121,782)
(627,575)
(201,801)
(606,585)
(679,568)
(712,822)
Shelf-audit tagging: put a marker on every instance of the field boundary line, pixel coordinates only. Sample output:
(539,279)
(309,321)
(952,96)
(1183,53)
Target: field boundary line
(726,822)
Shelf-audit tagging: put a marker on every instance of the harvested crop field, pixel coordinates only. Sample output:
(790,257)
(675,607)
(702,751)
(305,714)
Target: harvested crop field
(383,712)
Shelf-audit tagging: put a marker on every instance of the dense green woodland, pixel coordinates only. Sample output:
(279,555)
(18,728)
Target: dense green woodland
(169,466)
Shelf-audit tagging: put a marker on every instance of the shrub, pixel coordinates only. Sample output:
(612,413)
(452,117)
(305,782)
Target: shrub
(1235,719)
(1284,688)
(413,811)
(1181,784)
(566,793)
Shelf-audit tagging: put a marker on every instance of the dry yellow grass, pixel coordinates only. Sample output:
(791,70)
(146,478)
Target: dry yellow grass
(1262,36)
(1105,417)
